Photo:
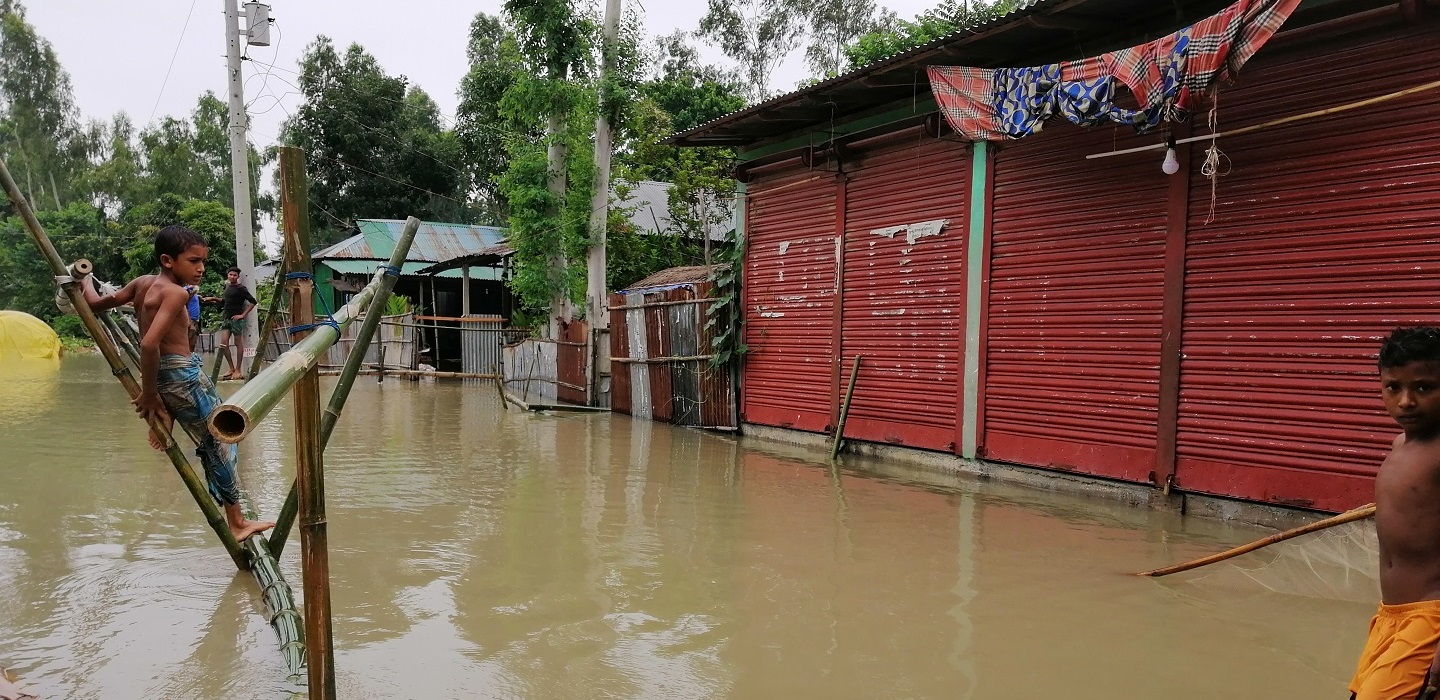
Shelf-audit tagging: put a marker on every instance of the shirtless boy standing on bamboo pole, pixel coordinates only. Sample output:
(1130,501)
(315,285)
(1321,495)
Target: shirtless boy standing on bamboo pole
(1400,659)
(171,380)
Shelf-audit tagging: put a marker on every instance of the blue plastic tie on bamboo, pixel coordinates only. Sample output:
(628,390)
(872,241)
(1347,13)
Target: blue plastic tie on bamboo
(329,319)
(390,270)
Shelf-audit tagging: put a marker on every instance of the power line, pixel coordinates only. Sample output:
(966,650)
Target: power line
(176,53)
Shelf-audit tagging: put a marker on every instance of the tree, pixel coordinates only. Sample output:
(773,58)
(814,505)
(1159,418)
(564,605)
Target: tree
(548,191)
(757,34)
(834,25)
(480,126)
(38,118)
(900,36)
(375,146)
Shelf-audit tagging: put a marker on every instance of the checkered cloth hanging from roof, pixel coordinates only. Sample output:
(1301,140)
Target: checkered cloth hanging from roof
(1167,77)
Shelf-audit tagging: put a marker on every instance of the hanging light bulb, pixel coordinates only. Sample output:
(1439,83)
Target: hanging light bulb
(1172,163)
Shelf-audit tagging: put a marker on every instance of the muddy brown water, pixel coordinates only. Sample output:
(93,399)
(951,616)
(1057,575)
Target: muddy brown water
(478,552)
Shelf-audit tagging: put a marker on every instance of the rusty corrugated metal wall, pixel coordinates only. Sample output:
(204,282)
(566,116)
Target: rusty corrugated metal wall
(789,292)
(1326,235)
(903,290)
(571,358)
(1072,375)
(652,335)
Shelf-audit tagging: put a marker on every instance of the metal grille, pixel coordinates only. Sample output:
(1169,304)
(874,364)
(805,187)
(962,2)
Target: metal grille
(1076,284)
(903,293)
(790,300)
(1326,235)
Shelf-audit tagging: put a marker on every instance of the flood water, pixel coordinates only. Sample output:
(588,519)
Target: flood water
(479,552)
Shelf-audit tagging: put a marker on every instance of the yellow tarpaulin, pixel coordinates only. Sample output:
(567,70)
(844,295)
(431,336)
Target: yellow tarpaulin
(24,337)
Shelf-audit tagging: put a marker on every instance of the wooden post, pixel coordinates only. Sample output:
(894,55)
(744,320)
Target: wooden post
(198,490)
(384,282)
(845,410)
(309,458)
(267,326)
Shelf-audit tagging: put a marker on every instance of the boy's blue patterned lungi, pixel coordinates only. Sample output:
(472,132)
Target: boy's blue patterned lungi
(190,397)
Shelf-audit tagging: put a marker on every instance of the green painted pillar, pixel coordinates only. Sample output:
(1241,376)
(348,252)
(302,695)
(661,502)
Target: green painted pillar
(975,266)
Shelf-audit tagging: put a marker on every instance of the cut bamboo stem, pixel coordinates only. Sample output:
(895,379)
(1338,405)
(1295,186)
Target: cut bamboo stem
(235,418)
(353,364)
(844,411)
(198,491)
(309,457)
(1348,516)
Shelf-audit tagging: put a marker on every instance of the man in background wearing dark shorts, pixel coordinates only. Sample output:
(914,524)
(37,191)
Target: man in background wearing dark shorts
(236,305)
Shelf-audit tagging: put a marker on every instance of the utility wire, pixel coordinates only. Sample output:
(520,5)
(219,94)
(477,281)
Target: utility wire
(173,55)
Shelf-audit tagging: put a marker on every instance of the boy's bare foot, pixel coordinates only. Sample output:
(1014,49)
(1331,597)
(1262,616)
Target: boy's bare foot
(167,422)
(246,528)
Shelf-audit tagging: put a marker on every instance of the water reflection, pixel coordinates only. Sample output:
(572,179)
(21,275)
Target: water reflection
(478,552)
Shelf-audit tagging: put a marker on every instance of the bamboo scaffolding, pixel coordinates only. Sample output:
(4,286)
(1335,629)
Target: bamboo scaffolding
(309,457)
(353,364)
(234,419)
(198,491)
(274,589)
(1348,516)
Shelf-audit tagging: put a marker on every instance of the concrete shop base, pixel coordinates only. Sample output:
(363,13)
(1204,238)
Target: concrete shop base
(942,469)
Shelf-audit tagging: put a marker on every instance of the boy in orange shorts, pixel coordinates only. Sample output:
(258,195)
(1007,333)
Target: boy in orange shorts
(1400,660)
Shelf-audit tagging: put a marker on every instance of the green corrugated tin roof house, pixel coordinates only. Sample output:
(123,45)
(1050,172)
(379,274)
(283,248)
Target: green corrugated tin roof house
(374,240)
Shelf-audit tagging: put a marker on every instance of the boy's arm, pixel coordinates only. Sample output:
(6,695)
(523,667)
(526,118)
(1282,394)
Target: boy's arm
(250,304)
(109,301)
(172,305)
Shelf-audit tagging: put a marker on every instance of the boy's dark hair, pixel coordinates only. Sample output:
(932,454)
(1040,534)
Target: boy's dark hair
(233,269)
(1406,345)
(176,239)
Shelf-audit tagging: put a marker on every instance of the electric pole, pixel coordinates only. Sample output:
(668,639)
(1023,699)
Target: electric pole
(240,154)
(595,289)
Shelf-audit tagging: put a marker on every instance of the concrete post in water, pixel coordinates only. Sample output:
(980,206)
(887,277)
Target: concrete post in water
(309,458)
(197,488)
(353,364)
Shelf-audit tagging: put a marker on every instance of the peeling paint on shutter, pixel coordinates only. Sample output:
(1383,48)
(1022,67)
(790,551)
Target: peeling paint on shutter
(1076,281)
(1326,236)
(789,299)
(903,304)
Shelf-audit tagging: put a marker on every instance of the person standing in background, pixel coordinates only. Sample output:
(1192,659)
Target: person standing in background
(236,305)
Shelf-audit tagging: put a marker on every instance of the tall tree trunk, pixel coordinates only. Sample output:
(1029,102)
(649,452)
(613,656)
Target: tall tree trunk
(556,155)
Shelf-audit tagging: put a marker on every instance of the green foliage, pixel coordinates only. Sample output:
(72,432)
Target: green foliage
(900,36)
(757,34)
(834,25)
(495,65)
(397,305)
(375,146)
(69,327)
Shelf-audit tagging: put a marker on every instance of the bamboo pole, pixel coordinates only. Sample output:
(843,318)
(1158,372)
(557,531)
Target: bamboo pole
(353,364)
(267,327)
(1348,516)
(234,419)
(844,411)
(309,457)
(198,491)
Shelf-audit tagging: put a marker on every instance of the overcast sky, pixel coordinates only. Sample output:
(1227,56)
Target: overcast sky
(117,52)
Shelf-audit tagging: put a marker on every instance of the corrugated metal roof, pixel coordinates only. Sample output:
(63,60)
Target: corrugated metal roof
(1037,32)
(693,274)
(434,242)
(648,205)
(367,267)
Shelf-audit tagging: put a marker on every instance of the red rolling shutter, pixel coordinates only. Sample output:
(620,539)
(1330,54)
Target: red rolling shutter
(1326,235)
(903,291)
(1076,280)
(789,294)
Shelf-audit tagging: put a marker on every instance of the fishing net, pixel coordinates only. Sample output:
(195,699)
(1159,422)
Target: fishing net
(1338,563)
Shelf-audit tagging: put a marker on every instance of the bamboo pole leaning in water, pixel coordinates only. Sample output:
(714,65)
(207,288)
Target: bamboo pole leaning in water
(353,363)
(845,410)
(274,589)
(309,457)
(267,326)
(1348,516)
(97,332)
